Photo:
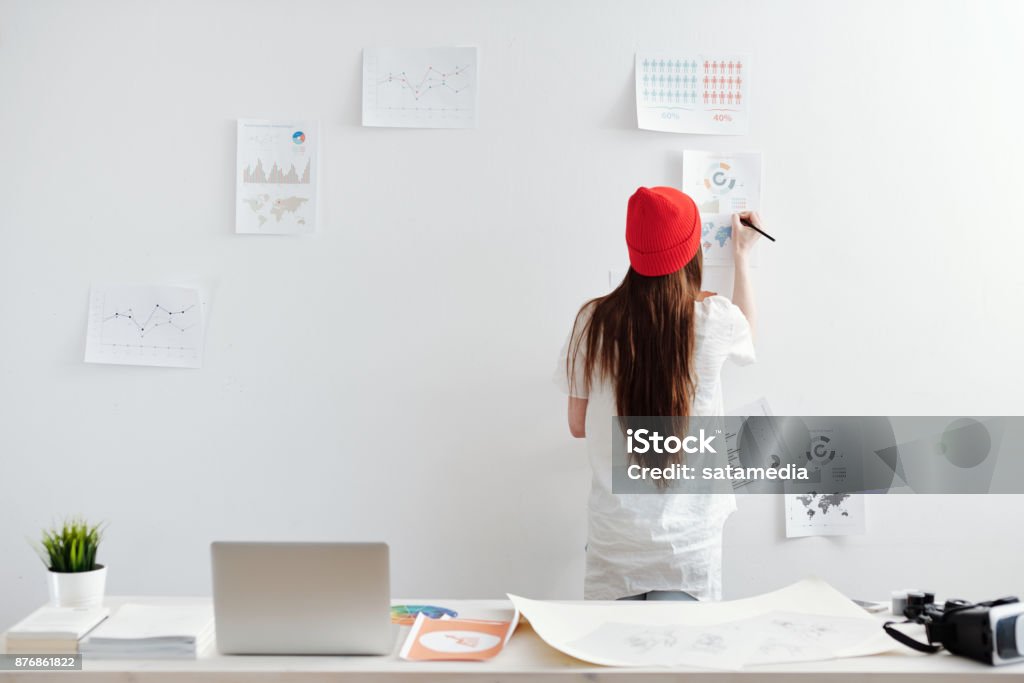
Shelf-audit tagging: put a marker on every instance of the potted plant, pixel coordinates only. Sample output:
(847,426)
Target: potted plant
(69,552)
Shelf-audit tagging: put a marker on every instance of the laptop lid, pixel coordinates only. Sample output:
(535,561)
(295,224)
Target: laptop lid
(302,598)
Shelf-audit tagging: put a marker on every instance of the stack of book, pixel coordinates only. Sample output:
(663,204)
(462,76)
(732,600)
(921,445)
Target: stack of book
(53,630)
(139,631)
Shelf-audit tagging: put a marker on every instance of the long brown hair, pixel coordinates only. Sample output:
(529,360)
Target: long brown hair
(641,338)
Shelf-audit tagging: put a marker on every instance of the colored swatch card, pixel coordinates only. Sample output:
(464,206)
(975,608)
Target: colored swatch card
(405,615)
(721,183)
(276,177)
(693,93)
(456,639)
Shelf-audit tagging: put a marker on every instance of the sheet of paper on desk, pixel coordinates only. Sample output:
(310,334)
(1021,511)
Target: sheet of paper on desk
(773,638)
(584,631)
(783,637)
(710,647)
(451,638)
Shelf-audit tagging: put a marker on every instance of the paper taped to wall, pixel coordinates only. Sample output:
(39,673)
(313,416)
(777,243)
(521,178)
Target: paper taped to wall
(721,184)
(824,514)
(823,506)
(805,621)
(759,451)
(276,177)
(420,87)
(693,93)
(145,325)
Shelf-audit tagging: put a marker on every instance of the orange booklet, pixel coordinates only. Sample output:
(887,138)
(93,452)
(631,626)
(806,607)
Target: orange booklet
(459,639)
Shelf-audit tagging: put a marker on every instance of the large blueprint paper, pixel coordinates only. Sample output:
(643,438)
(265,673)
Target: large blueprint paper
(805,621)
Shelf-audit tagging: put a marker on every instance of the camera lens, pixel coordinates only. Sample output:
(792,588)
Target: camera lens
(1010,637)
(917,599)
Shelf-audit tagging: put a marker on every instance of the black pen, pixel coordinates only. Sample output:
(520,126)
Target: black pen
(750,225)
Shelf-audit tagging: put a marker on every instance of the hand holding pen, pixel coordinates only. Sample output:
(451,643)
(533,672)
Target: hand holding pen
(746,231)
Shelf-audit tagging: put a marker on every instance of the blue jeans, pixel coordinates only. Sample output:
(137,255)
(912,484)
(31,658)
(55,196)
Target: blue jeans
(663,595)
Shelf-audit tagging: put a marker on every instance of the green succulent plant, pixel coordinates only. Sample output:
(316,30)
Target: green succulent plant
(71,547)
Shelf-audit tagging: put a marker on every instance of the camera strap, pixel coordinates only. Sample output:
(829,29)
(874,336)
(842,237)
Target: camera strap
(901,637)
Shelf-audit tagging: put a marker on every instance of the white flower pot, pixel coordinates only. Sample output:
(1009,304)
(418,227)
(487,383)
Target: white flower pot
(78,589)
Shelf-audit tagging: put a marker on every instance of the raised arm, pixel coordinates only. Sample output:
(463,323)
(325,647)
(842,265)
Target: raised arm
(743,239)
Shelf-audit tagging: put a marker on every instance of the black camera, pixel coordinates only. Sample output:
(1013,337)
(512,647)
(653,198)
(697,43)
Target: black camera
(990,632)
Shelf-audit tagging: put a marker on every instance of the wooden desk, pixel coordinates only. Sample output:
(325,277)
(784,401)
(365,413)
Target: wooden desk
(525,657)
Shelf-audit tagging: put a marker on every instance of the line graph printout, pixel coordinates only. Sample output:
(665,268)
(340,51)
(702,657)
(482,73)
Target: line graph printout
(693,93)
(276,177)
(145,325)
(420,87)
(721,184)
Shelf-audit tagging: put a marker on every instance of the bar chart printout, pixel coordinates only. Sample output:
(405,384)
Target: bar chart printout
(276,177)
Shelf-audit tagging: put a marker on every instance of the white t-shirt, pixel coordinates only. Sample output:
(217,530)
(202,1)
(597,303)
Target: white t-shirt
(643,542)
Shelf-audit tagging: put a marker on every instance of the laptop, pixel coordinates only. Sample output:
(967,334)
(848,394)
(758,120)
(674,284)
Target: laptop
(302,598)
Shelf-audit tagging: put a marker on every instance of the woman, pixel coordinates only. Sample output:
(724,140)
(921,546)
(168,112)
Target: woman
(655,346)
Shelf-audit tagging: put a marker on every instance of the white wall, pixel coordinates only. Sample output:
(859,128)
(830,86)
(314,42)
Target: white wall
(389,377)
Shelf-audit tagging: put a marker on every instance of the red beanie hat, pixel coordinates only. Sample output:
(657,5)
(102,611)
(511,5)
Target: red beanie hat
(662,230)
